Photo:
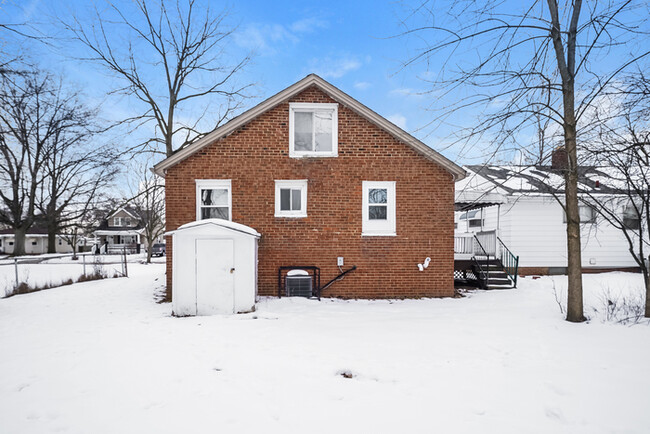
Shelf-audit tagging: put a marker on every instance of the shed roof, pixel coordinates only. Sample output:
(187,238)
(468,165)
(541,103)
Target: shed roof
(218,222)
(336,94)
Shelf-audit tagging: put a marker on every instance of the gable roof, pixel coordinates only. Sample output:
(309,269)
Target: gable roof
(130,211)
(294,89)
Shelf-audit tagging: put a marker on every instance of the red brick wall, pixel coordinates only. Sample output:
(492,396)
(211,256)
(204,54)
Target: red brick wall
(257,154)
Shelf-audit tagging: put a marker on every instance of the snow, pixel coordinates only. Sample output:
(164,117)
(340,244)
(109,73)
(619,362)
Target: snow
(103,357)
(52,269)
(219,222)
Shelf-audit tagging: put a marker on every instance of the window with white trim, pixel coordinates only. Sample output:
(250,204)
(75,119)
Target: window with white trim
(117,221)
(378,208)
(291,198)
(213,199)
(313,130)
(587,214)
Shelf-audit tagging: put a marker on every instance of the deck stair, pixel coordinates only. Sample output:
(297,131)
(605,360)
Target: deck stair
(489,264)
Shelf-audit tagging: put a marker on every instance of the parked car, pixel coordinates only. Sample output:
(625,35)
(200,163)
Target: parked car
(158,250)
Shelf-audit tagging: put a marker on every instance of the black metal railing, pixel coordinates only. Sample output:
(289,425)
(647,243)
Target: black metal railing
(485,273)
(509,261)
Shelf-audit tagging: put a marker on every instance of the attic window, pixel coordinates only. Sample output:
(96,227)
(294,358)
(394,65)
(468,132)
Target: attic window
(117,221)
(313,130)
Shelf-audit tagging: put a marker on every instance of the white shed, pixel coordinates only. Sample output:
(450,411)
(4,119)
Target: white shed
(214,265)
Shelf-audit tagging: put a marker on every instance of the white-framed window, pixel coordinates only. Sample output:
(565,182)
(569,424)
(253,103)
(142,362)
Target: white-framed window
(127,221)
(378,208)
(213,199)
(291,198)
(313,130)
(587,214)
(117,221)
(631,218)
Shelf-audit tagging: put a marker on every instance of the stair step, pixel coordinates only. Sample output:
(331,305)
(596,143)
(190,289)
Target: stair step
(500,286)
(499,282)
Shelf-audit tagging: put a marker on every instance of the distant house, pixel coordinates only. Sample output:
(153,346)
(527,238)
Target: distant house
(328,184)
(35,242)
(122,229)
(514,207)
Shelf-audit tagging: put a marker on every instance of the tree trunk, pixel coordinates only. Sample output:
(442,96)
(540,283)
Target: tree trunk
(51,240)
(149,248)
(574,249)
(19,241)
(646,277)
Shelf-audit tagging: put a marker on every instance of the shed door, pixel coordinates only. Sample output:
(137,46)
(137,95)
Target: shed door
(215,292)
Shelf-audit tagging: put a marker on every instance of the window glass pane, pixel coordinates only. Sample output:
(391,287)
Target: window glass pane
(586,214)
(323,131)
(215,212)
(378,195)
(377,212)
(295,200)
(285,199)
(303,130)
(215,196)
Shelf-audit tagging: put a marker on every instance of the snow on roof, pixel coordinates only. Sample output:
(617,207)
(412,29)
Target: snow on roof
(485,180)
(219,222)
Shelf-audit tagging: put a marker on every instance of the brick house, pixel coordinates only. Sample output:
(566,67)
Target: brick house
(320,176)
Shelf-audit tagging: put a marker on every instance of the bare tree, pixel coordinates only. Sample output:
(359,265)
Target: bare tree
(524,62)
(623,150)
(75,166)
(29,117)
(169,55)
(149,203)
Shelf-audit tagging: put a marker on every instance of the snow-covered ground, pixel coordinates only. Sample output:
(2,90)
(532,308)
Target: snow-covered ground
(103,357)
(52,269)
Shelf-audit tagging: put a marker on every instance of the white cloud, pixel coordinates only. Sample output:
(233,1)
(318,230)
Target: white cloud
(308,25)
(398,120)
(407,92)
(335,67)
(362,85)
(266,37)
(263,37)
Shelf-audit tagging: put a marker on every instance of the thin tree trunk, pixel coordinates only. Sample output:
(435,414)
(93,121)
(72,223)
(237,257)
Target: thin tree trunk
(646,277)
(149,247)
(19,241)
(575,311)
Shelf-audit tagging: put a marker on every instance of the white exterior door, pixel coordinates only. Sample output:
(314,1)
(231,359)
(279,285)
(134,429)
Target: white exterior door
(214,277)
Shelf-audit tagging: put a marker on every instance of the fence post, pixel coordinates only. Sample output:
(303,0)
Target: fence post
(84,260)
(126,270)
(16,269)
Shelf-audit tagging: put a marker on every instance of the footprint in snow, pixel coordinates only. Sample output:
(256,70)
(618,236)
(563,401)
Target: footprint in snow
(554,413)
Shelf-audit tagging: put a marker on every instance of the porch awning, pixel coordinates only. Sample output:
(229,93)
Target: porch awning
(472,199)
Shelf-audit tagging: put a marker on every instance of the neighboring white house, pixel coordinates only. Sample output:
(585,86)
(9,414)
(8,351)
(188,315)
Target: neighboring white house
(123,229)
(517,205)
(35,242)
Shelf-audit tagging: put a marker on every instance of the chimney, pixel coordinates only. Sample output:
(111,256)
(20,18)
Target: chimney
(559,159)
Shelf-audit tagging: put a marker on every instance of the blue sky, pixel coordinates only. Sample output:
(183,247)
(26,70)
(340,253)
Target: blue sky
(346,42)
